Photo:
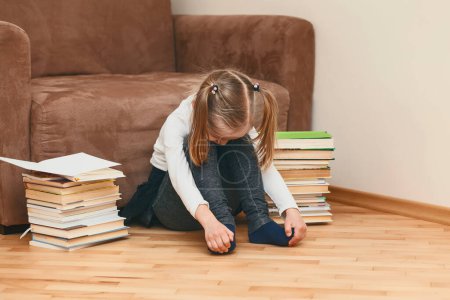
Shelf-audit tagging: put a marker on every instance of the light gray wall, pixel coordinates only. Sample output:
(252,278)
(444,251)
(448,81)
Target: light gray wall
(381,88)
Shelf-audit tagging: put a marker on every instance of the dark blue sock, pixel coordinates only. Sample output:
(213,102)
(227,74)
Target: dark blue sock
(270,233)
(233,243)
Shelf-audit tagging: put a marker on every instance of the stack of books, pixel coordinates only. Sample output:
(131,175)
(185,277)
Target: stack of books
(303,160)
(74,205)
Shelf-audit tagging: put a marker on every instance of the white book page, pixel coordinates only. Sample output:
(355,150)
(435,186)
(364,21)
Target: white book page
(29,165)
(69,165)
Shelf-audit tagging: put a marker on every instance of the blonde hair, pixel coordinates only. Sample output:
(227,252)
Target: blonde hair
(234,105)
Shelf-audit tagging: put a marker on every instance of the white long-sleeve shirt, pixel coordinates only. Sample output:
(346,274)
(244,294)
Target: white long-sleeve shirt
(169,156)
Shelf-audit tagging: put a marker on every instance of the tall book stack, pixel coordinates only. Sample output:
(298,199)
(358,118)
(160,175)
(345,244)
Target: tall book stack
(303,160)
(74,206)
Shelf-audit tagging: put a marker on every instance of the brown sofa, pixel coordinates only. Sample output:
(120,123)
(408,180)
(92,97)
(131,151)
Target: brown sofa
(101,77)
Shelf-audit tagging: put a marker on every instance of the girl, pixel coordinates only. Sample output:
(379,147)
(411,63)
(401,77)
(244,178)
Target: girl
(210,163)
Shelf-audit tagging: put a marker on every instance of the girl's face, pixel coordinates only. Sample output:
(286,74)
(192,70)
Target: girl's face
(228,134)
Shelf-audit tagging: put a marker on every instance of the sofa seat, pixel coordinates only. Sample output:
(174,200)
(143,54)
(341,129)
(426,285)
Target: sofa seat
(116,117)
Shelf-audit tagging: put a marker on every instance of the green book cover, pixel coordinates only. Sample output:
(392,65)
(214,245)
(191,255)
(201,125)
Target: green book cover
(303,135)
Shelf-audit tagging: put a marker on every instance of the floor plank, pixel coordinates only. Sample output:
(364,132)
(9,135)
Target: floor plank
(363,254)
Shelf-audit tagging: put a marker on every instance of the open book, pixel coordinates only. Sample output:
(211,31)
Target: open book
(74,167)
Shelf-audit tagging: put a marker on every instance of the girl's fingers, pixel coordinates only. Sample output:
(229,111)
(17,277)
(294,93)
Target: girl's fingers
(230,235)
(299,234)
(214,245)
(220,244)
(220,240)
(287,229)
(296,238)
(209,245)
(226,240)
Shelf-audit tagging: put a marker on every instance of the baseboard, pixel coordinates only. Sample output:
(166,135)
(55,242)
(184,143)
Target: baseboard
(408,208)
(13,229)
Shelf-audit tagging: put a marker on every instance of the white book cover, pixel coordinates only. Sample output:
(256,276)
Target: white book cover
(307,214)
(56,210)
(304,144)
(280,162)
(306,182)
(317,222)
(60,219)
(101,214)
(315,208)
(87,222)
(69,165)
(43,244)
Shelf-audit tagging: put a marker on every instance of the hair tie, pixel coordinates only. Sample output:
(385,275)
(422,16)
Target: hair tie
(256,87)
(214,89)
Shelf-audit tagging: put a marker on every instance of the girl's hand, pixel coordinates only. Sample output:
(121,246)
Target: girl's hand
(294,220)
(218,237)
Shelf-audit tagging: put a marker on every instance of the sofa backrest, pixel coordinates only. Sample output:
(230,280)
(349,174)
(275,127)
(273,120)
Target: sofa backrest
(95,36)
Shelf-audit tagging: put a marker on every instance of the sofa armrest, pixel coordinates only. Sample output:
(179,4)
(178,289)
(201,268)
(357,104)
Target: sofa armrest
(15,103)
(279,49)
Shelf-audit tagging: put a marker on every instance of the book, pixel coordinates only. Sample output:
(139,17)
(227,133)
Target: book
(315,213)
(43,176)
(304,140)
(296,154)
(79,241)
(71,218)
(96,175)
(71,198)
(68,212)
(307,181)
(78,231)
(61,182)
(301,167)
(283,162)
(308,219)
(308,189)
(80,187)
(83,203)
(303,135)
(109,217)
(52,247)
(303,198)
(313,205)
(315,198)
(303,174)
(317,219)
(307,144)
(305,212)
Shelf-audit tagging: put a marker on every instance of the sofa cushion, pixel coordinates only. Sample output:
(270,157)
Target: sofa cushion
(116,117)
(95,36)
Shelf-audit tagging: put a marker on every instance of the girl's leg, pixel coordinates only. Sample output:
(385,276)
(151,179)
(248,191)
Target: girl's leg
(139,205)
(240,173)
(170,210)
(241,177)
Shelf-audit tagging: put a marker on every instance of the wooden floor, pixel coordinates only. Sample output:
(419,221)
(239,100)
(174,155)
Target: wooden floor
(364,254)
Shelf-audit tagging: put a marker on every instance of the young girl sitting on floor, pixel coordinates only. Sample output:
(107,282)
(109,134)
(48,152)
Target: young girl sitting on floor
(210,163)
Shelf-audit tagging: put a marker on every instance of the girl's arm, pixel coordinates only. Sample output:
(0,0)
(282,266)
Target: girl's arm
(275,186)
(178,167)
(217,235)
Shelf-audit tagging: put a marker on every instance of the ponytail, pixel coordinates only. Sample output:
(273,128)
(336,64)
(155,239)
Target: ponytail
(198,138)
(267,128)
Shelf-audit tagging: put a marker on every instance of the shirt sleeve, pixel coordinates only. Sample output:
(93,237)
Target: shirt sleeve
(178,167)
(274,184)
